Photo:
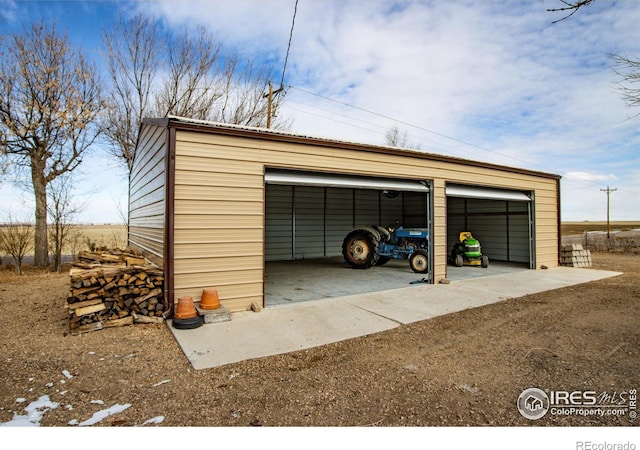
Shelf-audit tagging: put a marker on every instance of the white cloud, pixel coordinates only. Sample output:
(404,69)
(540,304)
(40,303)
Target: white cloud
(586,176)
(501,76)
(496,74)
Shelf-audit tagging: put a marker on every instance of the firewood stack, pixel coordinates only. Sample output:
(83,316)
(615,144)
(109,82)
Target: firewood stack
(112,288)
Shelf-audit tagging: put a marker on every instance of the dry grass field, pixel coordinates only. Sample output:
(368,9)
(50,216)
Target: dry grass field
(569,228)
(112,236)
(624,236)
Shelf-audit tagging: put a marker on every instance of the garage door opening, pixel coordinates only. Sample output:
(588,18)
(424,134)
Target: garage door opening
(502,220)
(308,215)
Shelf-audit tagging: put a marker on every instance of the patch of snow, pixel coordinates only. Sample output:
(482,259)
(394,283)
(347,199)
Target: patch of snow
(73,422)
(69,407)
(233,375)
(49,385)
(97,402)
(92,353)
(67,374)
(160,382)
(21,400)
(103,414)
(35,411)
(153,420)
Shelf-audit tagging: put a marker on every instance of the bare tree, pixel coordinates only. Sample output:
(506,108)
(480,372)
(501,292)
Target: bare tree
(16,239)
(158,74)
(61,211)
(133,57)
(629,72)
(569,8)
(192,85)
(243,101)
(626,68)
(49,102)
(395,138)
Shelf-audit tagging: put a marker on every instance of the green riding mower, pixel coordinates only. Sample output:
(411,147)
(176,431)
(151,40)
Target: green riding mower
(467,252)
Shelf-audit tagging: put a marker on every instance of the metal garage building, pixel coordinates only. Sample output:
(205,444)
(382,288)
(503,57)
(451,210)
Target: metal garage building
(210,203)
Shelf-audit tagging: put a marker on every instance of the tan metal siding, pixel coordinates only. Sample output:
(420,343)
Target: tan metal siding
(547,219)
(147,191)
(218,230)
(439,241)
(222,203)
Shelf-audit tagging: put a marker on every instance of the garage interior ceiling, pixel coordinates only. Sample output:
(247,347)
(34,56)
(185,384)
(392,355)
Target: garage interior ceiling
(458,190)
(297,178)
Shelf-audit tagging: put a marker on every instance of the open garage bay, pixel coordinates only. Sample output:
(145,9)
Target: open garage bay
(314,279)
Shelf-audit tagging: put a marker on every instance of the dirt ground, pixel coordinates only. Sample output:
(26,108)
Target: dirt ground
(463,369)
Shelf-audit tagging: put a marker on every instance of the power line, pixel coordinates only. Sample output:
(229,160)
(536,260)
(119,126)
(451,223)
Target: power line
(286,58)
(271,92)
(434,145)
(591,182)
(413,126)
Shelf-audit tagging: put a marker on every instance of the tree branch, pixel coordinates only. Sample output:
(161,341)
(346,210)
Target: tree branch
(573,7)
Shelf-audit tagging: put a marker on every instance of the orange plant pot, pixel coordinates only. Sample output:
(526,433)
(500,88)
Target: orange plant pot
(210,299)
(185,309)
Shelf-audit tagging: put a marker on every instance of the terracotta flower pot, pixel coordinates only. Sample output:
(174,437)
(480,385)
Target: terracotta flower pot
(185,309)
(210,299)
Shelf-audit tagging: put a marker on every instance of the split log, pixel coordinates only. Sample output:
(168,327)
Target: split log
(89,309)
(86,328)
(128,320)
(108,287)
(137,318)
(77,305)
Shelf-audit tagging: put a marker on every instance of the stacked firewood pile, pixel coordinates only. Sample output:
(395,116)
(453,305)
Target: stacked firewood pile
(112,288)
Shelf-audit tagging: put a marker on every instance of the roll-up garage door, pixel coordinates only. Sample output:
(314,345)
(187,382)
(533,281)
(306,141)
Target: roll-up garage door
(501,219)
(308,214)
(296,178)
(456,190)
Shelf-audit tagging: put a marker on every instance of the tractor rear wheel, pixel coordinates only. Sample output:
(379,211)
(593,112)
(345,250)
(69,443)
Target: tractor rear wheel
(382,260)
(419,261)
(361,249)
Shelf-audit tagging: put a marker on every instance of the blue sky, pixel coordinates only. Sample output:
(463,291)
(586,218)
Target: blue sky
(488,80)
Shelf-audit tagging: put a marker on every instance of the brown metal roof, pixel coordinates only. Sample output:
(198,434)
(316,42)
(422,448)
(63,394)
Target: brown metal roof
(184,123)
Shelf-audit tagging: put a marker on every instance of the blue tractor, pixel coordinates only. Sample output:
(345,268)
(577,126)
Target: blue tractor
(375,245)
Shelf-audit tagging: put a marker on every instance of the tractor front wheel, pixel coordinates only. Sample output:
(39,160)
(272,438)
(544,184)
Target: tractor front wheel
(459,261)
(361,249)
(419,261)
(485,261)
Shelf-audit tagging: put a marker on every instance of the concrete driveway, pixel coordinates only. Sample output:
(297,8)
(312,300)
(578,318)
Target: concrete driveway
(290,327)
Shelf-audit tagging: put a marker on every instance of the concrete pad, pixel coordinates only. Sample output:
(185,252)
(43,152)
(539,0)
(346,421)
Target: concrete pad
(286,328)
(533,281)
(413,304)
(276,330)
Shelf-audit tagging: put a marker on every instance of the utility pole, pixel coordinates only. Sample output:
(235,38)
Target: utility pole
(270,96)
(608,191)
